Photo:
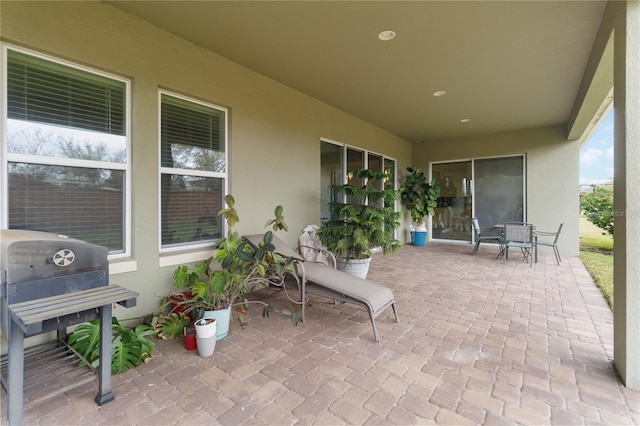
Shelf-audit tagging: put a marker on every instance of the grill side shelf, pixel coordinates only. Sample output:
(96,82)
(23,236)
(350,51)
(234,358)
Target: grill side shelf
(32,315)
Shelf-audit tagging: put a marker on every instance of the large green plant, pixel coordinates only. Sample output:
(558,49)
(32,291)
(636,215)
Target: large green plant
(363,217)
(236,269)
(129,347)
(418,195)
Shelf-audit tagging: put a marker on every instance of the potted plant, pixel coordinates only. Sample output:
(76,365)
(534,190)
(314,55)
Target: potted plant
(419,197)
(218,283)
(363,218)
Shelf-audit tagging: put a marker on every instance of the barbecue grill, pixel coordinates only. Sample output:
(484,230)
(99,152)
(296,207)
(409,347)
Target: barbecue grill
(49,282)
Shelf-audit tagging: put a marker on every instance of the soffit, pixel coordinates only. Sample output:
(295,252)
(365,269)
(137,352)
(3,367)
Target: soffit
(504,65)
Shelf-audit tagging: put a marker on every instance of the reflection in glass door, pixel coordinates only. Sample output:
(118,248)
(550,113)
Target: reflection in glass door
(452,218)
(499,190)
(337,164)
(331,173)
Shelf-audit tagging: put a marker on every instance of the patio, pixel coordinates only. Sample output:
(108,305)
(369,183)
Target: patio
(478,342)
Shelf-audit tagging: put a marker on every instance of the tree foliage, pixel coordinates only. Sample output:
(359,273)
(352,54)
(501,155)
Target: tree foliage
(597,206)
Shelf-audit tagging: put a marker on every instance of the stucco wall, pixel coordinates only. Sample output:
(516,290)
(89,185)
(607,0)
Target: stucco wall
(552,173)
(274,131)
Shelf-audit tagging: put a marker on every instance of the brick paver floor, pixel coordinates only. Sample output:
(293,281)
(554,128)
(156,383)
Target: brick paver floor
(478,342)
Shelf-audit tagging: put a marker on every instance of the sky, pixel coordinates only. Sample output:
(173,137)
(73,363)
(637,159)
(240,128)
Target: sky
(596,156)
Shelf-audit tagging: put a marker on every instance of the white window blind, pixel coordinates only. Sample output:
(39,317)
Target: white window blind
(193,171)
(66,150)
(47,92)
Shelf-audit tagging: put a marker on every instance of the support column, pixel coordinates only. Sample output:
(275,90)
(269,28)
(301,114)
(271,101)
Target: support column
(627,193)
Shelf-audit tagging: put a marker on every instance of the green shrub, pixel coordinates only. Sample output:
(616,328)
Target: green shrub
(597,206)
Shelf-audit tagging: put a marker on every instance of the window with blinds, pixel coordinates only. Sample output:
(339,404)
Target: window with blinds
(66,147)
(193,165)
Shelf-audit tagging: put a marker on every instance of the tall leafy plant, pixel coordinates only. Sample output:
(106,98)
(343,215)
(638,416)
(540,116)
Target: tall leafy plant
(363,217)
(418,195)
(236,269)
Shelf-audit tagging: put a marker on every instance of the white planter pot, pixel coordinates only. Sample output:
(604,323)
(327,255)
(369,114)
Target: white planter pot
(206,345)
(355,267)
(206,327)
(206,336)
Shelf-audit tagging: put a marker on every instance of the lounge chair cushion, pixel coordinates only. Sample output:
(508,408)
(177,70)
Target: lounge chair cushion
(375,295)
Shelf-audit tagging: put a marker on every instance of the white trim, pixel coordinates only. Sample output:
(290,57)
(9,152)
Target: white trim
(66,63)
(64,162)
(4,176)
(332,141)
(189,172)
(200,245)
(5,157)
(122,267)
(365,152)
(128,174)
(183,258)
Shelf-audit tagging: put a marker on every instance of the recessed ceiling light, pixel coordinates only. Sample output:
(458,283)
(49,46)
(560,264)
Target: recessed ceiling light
(387,35)
(439,93)
(465,120)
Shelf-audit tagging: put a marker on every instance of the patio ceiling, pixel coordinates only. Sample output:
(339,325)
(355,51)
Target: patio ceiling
(503,65)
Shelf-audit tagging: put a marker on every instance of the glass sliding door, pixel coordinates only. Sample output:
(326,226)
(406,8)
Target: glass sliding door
(355,162)
(491,189)
(375,164)
(452,218)
(331,173)
(337,164)
(390,181)
(390,169)
(499,190)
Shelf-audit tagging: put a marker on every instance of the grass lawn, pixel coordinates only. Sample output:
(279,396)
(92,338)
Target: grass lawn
(591,237)
(596,252)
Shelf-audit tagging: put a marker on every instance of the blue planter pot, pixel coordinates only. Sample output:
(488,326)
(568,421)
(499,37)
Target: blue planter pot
(223,317)
(418,238)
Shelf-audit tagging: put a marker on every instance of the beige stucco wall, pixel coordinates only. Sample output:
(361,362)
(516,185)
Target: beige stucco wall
(274,131)
(626,269)
(552,173)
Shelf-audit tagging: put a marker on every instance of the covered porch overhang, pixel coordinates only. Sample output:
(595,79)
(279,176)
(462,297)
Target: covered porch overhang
(526,74)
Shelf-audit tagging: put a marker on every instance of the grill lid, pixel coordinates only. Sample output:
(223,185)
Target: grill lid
(33,255)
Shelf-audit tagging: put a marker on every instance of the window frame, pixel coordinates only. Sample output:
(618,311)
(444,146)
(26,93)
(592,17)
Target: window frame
(190,172)
(365,153)
(6,157)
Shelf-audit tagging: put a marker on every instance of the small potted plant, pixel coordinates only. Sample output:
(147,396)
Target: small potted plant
(363,218)
(419,197)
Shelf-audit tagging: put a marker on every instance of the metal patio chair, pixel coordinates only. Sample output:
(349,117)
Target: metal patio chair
(519,235)
(546,241)
(485,234)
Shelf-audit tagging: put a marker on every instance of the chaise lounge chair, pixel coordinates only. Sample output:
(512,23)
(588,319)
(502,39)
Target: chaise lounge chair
(324,281)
